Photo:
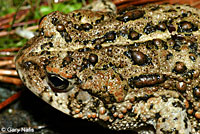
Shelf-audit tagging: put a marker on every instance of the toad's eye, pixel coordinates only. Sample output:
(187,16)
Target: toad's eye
(58,84)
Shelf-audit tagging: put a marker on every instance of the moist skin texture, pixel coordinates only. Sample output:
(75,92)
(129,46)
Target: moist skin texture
(127,70)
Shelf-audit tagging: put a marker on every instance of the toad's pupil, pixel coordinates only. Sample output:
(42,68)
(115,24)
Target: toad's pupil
(58,82)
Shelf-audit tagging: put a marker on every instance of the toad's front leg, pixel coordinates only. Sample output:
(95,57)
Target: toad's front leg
(165,111)
(172,118)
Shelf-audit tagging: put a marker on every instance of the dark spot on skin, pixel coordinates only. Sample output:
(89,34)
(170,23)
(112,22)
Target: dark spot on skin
(78,14)
(66,36)
(50,99)
(149,28)
(157,116)
(164,119)
(151,45)
(193,58)
(93,58)
(181,86)
(112,98)
(54,21)
(85,63)
(45,53)
(86,26)
(67,60)
(73,15)
(189,74)
(98,46)
(175,118)
(169,56)
(151,106)
(43,46)
(105,87)
(180,67)
(86,49)
(139,58)
(109,51)
(70,53)
(184,14)
(155,8)
(157,42)
(197,128)
(171,42)
(90,77)
(96,103)
(48,36)
(77,27)
(188,34)
(133,35)
(186,26)
(160,43)
(196,92)
(80,18)
(113,76)
(93,109)
(146,80)
(172,131)
(181,98)
(113,109)
(98,41)
(177,41)
(178,38)
(164,98)
(131,113)
(171,28)
(161,26)
(193,46)
(135,44)
(144,98)
(178,104)
(110,36)
(46,45)
(185,121)
(99,20)
(128,54)
(80,50)
(176,47)
(171,10)
(60,27)
(131,15)
(68,23)
(51,44)
(85,42)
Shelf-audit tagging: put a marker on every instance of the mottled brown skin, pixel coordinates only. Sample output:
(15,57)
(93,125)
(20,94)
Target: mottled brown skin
(127,70)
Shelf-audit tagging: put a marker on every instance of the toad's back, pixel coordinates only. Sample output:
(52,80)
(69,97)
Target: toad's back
(125,70)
